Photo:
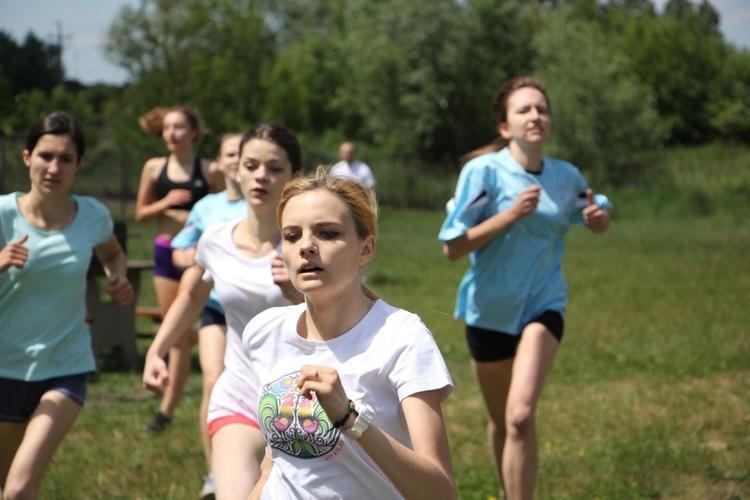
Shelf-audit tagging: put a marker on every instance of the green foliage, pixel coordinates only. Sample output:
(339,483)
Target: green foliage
(203,54)
(410,82)
(679,55)
(604,118)
(27,71)
(729,105)
(33,64)
(647,397)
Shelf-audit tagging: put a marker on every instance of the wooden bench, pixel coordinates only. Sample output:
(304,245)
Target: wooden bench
(148,312)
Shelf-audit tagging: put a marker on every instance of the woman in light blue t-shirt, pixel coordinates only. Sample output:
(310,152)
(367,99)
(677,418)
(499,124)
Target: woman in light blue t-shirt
(511,211)
(46,239)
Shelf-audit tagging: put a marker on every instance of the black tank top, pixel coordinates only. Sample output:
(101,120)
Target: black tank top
(196,185)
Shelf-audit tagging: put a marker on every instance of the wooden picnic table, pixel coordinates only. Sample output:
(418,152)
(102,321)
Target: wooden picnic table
(113,329)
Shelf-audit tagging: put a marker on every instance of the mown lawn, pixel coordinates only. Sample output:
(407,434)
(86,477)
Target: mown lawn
(649,396)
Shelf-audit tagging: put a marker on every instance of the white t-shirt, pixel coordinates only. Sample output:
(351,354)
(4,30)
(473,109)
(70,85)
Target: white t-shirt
(356,169)
(388,356)
(245,287)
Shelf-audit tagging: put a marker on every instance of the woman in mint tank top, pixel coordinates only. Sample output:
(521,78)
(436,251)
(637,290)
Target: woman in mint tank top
(511,211)
(46,239)
(169,188)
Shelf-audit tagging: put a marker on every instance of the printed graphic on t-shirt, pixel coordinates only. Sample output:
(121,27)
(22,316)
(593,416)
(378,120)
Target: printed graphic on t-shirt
(294,424)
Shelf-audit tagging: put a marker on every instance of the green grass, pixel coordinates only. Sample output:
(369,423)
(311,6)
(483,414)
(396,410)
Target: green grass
(649,396)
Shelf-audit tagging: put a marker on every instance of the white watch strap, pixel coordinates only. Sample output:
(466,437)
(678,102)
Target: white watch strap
(365,416)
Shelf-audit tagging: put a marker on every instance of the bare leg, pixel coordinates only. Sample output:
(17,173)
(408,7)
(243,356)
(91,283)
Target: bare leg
(533,359)
(179,355)
(212,341)
(494,381)
(45,430)
(11,435)
(237,454)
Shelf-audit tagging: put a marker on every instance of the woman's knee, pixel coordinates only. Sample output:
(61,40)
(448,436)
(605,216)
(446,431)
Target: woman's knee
(519,419)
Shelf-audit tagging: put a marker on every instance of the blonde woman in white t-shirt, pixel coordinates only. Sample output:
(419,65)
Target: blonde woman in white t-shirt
(352,387)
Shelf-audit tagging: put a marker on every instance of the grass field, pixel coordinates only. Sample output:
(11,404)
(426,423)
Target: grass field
(649,396)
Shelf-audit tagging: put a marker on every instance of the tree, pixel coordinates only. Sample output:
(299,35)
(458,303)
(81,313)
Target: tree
(679,56)
(603,117)
(494,44)
(729,103)
(207,54)
(30,66)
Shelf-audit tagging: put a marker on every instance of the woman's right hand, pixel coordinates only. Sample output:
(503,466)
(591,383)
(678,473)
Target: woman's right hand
(14,254)
(527,201)
(177,197)
(329,390)
(155,374)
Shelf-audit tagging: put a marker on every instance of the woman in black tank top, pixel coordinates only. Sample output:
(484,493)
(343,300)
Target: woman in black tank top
(168,189)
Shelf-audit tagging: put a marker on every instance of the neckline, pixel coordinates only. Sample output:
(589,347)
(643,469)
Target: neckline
(298,319)
(72,221)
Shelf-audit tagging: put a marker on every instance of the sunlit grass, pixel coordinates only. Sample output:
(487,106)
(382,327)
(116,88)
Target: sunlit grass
(648,397)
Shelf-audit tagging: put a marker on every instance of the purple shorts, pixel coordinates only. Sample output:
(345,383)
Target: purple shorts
(163,265)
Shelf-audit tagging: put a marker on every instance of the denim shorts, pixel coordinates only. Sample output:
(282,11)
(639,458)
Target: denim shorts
(19,398)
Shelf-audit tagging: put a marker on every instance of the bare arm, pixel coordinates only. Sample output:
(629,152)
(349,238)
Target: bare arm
(423,472)
(115,267)
(183,257)
(426,471)
(478,236)
(265,471)
(191,297)
(213,175)
(145,206)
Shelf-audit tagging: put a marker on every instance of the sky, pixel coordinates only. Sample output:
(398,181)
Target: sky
(83,24)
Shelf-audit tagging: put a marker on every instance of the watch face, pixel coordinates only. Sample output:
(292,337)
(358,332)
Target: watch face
(364,411)
(365,416)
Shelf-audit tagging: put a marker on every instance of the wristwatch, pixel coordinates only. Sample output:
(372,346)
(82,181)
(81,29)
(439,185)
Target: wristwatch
(365,416)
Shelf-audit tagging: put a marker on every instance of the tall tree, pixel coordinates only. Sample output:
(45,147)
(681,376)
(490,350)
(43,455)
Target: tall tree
(30,66)
(603,117)
(207,54)
(679,55)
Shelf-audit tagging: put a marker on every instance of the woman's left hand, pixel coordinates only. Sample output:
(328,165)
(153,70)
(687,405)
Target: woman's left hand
(121,290)
(326,384)
(596,218)
(281,279)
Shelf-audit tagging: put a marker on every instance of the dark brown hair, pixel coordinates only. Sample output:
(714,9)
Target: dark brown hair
(500,112)
(279,135)
(57,123)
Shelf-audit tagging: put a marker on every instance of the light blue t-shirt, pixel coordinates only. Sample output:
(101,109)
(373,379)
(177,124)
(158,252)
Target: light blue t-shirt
(207,211)
(518,275)
(42,306)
